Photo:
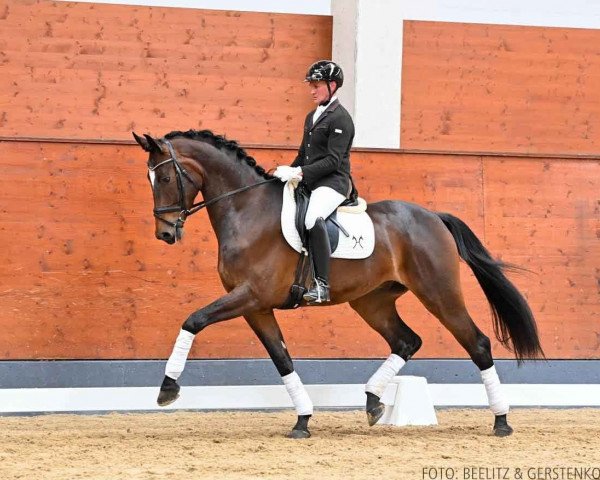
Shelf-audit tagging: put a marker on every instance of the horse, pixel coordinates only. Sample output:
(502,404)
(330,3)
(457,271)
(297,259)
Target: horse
(416,250)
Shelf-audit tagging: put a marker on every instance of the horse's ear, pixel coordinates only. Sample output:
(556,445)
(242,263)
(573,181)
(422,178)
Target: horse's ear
(142,142)
(153,144)
(147,143)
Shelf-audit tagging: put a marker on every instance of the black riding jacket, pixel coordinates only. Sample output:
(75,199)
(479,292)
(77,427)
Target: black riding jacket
(324,153)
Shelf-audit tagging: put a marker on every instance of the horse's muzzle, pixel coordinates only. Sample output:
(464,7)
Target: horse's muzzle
(169,231)
(166,237)
(169,234)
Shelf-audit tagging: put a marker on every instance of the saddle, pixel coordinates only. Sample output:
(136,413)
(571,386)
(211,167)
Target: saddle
(350,218)
(302,197)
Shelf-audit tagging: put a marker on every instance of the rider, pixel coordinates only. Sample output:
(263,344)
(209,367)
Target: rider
(323,164)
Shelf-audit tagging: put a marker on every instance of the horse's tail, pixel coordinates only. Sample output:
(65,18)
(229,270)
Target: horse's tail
(514,324)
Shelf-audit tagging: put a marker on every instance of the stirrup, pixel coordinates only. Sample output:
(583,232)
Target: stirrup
(318,293)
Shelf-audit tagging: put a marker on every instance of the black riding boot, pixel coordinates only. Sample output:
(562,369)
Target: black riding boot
(320,251)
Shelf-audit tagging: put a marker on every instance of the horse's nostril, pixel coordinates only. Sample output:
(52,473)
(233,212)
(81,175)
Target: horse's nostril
(166,236)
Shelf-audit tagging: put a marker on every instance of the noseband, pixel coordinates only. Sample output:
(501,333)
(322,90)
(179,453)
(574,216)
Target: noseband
(181,174)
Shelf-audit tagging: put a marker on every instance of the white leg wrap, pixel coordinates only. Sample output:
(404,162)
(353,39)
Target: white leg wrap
(496,398)
(176,362)
(380,379)
(298,394)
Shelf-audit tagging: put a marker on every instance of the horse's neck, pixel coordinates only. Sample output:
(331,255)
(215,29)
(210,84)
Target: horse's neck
(243,214)
(220,182)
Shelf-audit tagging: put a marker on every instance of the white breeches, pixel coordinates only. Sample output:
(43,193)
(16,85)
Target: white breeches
(323,201)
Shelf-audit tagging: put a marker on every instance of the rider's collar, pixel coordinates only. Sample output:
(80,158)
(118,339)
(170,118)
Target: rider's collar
(323,106)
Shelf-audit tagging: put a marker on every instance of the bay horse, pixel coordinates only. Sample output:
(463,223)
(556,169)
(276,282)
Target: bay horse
(416,250)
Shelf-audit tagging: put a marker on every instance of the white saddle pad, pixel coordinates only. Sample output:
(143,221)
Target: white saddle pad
(355,220)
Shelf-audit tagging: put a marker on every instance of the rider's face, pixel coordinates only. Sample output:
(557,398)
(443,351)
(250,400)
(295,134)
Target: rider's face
(318,91)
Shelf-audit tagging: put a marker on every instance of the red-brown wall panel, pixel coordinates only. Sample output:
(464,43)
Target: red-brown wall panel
(500,88)
(78,70)
(545,216)
(83,277)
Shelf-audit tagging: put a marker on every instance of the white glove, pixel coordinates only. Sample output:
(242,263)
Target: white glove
(285,173)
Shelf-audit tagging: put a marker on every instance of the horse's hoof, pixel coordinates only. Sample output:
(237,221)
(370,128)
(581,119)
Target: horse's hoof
(503,431)
(501,427)
(375,414)
(169,392)
(166,398)
(299,434)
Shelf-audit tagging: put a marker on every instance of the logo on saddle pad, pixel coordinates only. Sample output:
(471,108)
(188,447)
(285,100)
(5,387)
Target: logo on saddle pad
(360,241)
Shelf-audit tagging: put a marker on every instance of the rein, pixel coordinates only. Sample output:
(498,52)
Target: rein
(200,205)
(196,207)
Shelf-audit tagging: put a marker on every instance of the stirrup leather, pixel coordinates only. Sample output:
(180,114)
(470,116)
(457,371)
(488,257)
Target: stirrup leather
(318,293)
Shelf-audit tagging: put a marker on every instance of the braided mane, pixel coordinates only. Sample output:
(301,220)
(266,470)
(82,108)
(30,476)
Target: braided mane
(221,143)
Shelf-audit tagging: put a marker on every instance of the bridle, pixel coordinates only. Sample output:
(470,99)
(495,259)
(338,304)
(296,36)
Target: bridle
(181,174)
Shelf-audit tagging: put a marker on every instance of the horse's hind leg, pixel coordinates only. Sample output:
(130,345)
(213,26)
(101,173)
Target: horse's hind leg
(438,287)
(379,311)
(479,349)
(268,332)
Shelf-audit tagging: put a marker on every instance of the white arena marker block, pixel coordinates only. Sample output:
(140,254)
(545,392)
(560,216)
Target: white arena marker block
(412,403)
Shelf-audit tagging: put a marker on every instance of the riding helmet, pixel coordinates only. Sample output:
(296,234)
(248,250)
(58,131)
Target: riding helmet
(327,71)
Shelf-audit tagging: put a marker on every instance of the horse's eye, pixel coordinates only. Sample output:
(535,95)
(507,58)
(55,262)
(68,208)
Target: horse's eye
(165,179)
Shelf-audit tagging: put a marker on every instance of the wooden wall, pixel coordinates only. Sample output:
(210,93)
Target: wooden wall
(83,276)
(80,70)
(500,88)
(512,89)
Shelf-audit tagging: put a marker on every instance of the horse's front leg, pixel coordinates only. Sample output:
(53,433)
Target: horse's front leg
(236,303)
(267,330)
